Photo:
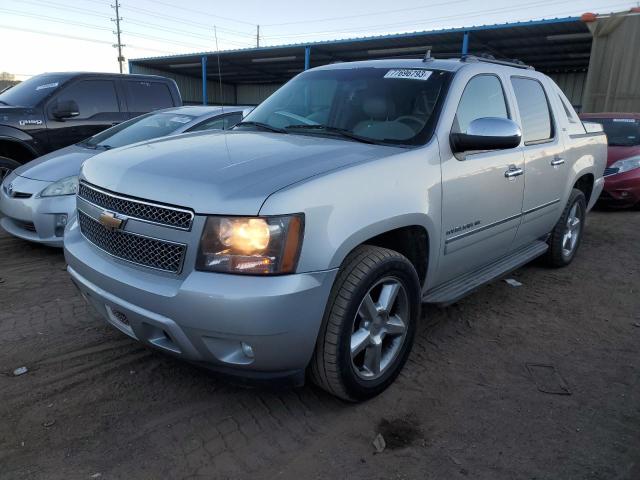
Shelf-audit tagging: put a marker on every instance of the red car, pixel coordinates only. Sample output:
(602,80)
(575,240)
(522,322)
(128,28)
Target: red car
(622,175)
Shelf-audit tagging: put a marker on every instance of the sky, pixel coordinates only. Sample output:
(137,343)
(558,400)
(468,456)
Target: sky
(65,35)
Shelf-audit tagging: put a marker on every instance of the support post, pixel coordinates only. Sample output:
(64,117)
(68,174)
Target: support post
(465,43)
(204,79)
(307,57)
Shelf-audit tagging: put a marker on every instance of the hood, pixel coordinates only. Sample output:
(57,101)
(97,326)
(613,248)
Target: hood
(615,153)
(57,165)
(230,173)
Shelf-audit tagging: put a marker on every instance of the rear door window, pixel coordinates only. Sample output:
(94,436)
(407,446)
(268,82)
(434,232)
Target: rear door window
(575,126)
(482,97)
(95,98)
(537,125)
(145,96)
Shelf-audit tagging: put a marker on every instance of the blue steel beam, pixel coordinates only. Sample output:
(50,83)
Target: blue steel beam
(465,43)
(204,79)
(307,57)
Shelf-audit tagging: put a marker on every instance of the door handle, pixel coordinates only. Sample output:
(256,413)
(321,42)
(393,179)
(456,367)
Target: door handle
(513,172)
(557,161)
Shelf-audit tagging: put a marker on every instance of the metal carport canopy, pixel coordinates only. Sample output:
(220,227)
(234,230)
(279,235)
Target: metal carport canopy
(550,45)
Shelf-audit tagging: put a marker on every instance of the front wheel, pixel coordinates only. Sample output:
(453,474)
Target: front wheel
(6,167)
(369,325)
(566,235)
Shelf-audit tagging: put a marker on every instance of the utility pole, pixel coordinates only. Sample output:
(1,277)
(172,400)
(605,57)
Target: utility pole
(258,36)
(118,45)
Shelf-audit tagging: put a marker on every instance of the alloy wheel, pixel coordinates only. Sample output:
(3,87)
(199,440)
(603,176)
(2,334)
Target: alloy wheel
(379,328)
(572,230)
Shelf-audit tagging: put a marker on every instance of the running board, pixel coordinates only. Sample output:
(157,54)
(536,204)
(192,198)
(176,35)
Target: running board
(453,290)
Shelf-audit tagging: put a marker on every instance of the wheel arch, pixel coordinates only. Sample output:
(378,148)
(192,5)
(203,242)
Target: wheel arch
(411,235)
(16,149)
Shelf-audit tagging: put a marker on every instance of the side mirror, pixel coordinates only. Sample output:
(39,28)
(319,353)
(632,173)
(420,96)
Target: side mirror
(488,133)
(65,109)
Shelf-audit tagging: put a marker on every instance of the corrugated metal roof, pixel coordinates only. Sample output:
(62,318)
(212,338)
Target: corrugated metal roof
(556,44)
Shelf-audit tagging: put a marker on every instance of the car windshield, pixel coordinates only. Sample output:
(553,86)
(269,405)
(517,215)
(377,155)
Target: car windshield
(30,92)
(375,105)
(144,127)
(621,132)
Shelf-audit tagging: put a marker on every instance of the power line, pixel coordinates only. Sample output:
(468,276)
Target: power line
(423,21)
(360,15)
(54,19)
(190,22)
(200,12)
(75,37)
(137,22)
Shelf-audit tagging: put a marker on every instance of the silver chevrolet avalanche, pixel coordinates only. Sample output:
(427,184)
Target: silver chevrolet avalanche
(306,239)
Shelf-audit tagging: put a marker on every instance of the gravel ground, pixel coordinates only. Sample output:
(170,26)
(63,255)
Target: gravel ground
(472,402)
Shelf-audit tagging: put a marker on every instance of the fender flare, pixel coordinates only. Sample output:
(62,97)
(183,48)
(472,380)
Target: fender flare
(17,136)
(383,226)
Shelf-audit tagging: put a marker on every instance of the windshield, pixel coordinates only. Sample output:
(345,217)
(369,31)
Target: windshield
(30,92)
(381,105)
(621,132)
(144,127)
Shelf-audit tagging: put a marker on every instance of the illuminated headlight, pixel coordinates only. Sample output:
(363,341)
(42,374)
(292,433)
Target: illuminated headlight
(626,164)
(251,245)
(66,186)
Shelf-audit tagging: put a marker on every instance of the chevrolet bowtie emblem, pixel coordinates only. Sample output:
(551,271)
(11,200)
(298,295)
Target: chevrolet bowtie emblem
(111,222)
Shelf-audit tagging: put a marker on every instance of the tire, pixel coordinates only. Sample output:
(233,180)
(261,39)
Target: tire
(562,245)
(6,167)
(375,273)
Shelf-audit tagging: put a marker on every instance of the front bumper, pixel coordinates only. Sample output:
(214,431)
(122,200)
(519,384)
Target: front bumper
(35,219)
(249,326)
(622,189)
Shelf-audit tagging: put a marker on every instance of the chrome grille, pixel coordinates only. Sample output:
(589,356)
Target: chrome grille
(610,171)
(141,210)
(138,249)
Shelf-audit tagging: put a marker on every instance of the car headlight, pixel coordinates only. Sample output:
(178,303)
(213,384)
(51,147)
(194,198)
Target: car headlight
(66,186)
(626,164)
(251,245)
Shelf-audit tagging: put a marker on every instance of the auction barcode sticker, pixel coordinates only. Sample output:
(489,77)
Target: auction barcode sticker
(408,73)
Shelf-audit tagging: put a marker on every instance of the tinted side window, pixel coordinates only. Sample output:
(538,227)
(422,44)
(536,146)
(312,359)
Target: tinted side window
(482,97)
(146,96)
(534,110)
(218,123)
(93,97)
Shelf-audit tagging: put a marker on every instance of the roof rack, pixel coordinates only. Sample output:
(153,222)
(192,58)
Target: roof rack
(491,59)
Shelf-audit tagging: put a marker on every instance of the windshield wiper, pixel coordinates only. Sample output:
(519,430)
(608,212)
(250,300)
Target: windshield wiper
(262,125)
(340,131)
(4,103)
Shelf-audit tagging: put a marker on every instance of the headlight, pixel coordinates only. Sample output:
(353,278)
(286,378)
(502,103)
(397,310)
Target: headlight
(626,164)
(66,186)
(251,245)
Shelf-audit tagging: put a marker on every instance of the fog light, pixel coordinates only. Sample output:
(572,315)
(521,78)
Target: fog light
(61,222)
(247,350)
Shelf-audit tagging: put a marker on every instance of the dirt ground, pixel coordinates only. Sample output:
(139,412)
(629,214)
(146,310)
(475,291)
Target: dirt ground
(468,404)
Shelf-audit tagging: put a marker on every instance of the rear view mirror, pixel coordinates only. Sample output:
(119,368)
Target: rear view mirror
(65,109)
(488,133)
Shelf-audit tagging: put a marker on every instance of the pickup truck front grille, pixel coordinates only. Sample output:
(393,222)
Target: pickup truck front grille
(141,250)
(139,209)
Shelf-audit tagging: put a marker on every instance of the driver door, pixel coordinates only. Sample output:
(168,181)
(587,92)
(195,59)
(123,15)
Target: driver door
(481,206)
(99,109)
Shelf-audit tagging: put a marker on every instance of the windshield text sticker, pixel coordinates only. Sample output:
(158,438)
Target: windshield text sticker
(625,120)
(181,119)
(47,85)
(408,74)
